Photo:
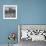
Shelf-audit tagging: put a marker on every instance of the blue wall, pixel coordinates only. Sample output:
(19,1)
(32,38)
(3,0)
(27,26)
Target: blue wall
(29,12)
(7,26)
(33,12)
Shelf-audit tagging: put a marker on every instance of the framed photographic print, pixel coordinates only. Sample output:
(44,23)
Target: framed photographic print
(9,11)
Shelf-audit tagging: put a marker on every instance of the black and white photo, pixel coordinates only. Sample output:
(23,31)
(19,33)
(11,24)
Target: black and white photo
(9,11)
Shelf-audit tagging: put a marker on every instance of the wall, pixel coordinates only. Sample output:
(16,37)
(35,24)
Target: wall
(7,26)
(29,12)
(34,12)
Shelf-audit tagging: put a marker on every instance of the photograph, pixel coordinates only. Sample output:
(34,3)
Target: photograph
(9,11)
